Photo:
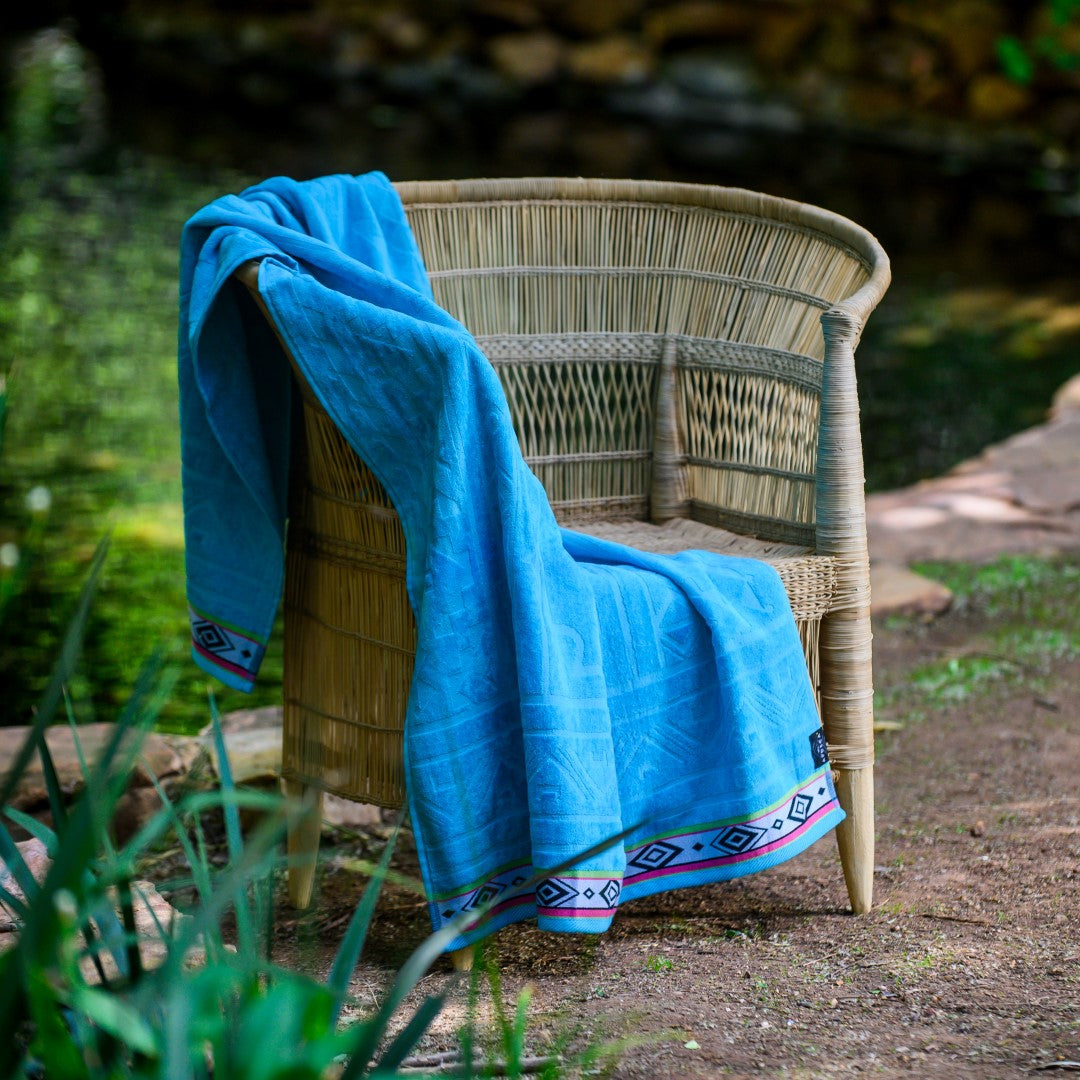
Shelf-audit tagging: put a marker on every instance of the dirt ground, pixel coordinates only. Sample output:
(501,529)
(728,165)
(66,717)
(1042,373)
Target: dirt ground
(967,966)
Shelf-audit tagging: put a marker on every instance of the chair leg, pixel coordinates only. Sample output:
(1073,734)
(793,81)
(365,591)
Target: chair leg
(462,959)
(855,835)
(303,842)
(847,714)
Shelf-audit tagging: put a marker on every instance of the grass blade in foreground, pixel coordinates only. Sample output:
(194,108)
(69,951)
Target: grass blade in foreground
(61,674)
(352,944)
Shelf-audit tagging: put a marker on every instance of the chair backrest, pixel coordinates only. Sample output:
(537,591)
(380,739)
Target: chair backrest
(581,292)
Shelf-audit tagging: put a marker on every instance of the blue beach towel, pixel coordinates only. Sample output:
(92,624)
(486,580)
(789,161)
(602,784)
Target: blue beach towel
(565,688)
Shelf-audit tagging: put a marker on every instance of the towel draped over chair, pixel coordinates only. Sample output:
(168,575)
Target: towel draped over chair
(566,688)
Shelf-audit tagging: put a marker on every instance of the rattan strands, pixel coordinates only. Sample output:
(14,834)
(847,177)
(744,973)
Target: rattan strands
(678,361)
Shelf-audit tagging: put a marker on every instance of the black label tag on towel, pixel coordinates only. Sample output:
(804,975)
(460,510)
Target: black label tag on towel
(818,748)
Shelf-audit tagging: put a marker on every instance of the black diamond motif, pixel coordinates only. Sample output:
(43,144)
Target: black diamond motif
(610,892)
(246,654)
(449,913)
(800,807)
(551,892)
(778,823)
(738,838)
(698,846)
(488,891)
(517,881)
(655,855)
(821,791)
(210,637)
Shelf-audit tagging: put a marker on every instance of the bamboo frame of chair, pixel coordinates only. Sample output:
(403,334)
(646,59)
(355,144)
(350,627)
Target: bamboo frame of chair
(679,363)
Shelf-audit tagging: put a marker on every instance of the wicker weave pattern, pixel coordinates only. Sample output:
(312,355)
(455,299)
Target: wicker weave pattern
(662,352)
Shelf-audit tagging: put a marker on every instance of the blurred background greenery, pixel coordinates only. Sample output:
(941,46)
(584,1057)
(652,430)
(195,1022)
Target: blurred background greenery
(950,129)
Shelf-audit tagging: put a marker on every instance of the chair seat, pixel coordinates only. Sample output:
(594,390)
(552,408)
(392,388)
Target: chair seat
(810,580)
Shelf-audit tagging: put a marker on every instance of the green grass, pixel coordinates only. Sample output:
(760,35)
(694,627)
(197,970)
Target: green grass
(1024,609)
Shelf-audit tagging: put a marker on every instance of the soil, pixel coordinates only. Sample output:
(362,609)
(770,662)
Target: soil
(967,966)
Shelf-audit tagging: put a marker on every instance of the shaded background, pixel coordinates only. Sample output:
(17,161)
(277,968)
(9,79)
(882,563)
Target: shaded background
(949,128)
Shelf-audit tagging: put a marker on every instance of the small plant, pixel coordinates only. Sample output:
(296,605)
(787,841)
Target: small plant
(80,999)
(77,995)
(657,964)
(77,998)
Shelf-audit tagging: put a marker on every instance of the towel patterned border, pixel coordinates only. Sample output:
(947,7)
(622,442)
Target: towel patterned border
(701,854)
(236,651)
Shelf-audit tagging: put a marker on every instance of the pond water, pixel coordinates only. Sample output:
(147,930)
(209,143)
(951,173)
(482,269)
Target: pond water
(980,327)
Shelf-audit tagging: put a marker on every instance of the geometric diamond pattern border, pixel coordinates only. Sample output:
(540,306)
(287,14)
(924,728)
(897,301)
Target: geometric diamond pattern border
(698,850)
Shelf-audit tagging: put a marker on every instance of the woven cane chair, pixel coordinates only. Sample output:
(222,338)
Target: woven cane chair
(679,363)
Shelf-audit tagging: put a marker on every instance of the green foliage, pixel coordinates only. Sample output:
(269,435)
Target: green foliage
(985,362)
(88,340)
(79,997)
(505,1051)
(1021,58)
(88,324)
(56,103)
(1015,59)
(659,965)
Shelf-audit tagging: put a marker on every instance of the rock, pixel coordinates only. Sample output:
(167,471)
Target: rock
(154,916)
(696,20)
(896,590)
(1066,399)
(518,13)
(872,102)
(351,815)
(534,137)
(155,920)
(966,30)
(598,17)
(254,754)
(355,55)
(1061,119)
(618,58)
(615,152)
(527,58)
(719,77)
(161,755)
(839,50)
(253,744)
(37,861)
(1016,496)
(268,716)
(972,31)
(992,98)
(134,808)
(401,31)
(780,36)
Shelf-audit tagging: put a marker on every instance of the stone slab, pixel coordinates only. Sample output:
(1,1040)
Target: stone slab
(161,755)
(897,590)
(1020,496)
